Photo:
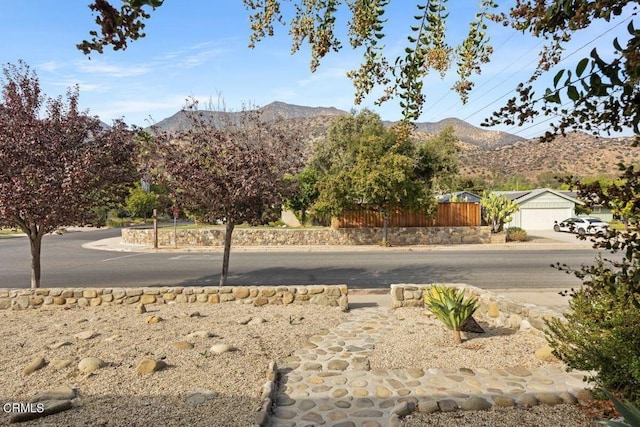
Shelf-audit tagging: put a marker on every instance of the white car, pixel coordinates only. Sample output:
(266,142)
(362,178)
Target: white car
(582,226)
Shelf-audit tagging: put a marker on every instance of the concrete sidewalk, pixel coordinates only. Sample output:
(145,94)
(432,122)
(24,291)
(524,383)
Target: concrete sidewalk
(545,297)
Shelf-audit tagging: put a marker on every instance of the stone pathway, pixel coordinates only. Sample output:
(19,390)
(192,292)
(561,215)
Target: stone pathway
(328,382)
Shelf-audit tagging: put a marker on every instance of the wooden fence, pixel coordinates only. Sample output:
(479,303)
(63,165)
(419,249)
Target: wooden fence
(447,215)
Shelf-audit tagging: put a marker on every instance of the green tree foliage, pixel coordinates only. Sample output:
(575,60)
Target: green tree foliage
(139,203)
(603,92)
(438,160)
(601,333)
(622,196)
(304,193)
(497,210)
(58,166)
(364,165)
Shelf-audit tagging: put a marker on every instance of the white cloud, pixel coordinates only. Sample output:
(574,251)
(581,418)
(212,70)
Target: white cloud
(50,66)
(111,70)
(324,75)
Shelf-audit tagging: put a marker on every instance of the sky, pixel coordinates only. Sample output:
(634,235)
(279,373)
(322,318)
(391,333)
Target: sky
(198,49)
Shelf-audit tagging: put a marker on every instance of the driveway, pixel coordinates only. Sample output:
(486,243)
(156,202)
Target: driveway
(561,236)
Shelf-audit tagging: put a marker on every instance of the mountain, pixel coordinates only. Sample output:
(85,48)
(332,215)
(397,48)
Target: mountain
(483,153)
(319,118)
(292,111)
(471,134)
(576,153)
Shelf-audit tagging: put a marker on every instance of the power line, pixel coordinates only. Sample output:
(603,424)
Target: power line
(561,60)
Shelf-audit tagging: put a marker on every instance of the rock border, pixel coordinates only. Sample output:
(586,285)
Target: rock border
(323,295)
(493,308)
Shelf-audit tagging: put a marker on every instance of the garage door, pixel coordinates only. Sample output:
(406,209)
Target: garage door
(542,219)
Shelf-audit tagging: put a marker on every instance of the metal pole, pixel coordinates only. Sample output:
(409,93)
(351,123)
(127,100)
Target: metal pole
(155,229)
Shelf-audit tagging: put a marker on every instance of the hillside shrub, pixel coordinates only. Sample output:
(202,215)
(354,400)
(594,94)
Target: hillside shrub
(516,234)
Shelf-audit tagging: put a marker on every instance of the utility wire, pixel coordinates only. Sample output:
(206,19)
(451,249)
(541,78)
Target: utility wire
(561,60)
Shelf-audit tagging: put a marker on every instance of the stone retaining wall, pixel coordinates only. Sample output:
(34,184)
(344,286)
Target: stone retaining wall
(329,295)
(493,308)
(313,237)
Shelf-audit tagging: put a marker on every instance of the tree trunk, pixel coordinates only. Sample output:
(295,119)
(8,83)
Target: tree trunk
(35,239)
(227,250)
(385,226)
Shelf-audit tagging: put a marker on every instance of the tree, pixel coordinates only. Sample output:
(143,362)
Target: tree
(497,210)
(57,164)
(304,193)
(622,196)
(230,167)
(439,159)
(603,94)
(364,165)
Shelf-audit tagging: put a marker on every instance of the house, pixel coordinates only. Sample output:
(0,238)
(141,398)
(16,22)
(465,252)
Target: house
(598,211)
(539,208)
(460,196)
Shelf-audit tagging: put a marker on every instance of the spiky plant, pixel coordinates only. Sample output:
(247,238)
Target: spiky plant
(451,307)
(628,410)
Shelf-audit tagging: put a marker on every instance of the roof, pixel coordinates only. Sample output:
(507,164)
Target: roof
(461,196)
(523,196)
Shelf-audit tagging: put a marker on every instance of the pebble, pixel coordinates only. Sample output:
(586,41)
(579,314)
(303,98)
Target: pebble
(60,393)
(50,407)
(36,364)
(90,364)
(148,366)
(59,344)
(221,348)
(198,395)
(152,320)
(61,363)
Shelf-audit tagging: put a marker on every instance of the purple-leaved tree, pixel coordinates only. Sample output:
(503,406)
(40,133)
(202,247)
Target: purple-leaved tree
(57,164)
(230,167)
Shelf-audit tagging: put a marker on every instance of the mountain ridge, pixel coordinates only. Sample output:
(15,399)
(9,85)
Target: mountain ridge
(482,153)
(464,131)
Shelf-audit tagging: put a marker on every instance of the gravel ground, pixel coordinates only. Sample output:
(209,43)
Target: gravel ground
(422,341)
(118,396)
(538,416)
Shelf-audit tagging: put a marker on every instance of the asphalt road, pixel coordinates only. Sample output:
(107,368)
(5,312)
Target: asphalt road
(66,263)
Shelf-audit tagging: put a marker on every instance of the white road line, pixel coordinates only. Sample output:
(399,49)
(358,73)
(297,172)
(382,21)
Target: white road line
(120,257)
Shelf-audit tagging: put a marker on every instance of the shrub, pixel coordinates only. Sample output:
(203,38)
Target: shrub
(602,333)
(450,307)
(516,234)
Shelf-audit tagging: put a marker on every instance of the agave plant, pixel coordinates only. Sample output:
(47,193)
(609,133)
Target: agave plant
(629,412)
(450,306)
